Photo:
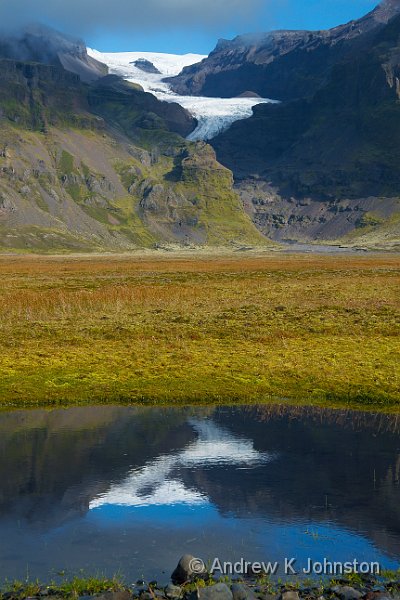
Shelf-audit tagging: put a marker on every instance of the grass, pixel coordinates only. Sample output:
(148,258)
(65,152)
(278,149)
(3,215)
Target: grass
(91,586)
(309,329)
(68,588)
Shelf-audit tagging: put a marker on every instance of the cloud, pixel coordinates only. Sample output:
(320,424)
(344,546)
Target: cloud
(83,17)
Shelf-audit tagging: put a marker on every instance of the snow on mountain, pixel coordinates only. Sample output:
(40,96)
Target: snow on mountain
(213,114)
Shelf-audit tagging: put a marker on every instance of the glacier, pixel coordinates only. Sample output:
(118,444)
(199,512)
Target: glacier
(214,115)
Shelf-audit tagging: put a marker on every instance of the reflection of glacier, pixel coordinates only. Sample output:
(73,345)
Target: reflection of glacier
(213,114)
(154,484)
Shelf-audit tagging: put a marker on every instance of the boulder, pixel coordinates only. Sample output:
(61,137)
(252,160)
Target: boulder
(290,595)
(346,592)
(173,591)
(188,566)
(219,591)
(242,592)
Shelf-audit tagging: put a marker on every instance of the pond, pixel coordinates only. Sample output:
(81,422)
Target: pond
(129,490)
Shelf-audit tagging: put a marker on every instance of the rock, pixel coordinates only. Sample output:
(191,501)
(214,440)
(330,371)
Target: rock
(139,590)
(173,591)
(187,567)
(122,595)
(146,66)
(219,591)
(345,592)
(290,595)
(242,592)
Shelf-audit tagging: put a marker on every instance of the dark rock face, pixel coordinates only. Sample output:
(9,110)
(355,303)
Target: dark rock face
(37,95)
(336,144)
(146,66)
(282,65)
(284,219)
(47,46)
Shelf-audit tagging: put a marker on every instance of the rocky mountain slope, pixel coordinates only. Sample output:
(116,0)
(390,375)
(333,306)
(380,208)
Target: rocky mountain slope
(283,65)
(103,165)
(44,45)
(327,166)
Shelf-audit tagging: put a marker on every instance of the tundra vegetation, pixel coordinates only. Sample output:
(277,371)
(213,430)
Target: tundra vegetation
(159,328)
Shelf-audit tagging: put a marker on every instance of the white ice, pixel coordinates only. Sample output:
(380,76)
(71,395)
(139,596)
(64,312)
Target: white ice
(213,114)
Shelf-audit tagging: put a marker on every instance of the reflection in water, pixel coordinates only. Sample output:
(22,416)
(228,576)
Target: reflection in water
(153,483)
(131,489)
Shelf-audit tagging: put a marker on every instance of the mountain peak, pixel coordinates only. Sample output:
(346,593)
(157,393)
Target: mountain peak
(386,10)
(42,44)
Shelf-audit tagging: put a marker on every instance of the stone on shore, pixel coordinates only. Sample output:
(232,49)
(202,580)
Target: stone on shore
(120,595)
(290,595)
(242,592)
(346,592)
(173,591)
(219,591)
(188,567)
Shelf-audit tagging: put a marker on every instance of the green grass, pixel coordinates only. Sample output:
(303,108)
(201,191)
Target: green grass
(68,588)
(91,586)
(321,330)
(66,163)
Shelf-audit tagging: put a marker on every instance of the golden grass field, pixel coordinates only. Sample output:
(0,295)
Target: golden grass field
(180,329)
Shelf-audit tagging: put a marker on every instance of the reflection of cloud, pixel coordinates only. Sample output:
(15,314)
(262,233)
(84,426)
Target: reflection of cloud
(152,485)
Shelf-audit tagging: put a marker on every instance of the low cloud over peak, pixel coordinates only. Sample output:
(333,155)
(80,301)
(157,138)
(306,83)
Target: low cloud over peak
(83,17)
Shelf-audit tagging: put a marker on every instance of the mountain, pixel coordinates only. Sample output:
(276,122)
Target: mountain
(47,46)
(103,165)
(326,166)
(283,65)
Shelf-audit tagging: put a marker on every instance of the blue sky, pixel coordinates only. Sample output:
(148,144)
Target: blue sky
(177,26)
(277,14)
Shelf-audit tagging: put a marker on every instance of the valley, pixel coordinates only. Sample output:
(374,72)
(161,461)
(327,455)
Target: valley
(200,307)
(162,329)
(214,115)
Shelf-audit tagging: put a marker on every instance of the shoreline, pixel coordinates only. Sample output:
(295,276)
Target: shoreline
(205,586)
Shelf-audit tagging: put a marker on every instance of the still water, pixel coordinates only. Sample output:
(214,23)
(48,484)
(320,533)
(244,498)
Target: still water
(129,490)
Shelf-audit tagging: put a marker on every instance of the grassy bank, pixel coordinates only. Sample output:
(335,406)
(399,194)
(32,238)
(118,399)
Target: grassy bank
(174,329)
(258,588)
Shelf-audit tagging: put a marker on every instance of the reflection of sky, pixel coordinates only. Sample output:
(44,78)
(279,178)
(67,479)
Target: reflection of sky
(141,524)
(210,534)
(153,500)
(153,485)
(147,541)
